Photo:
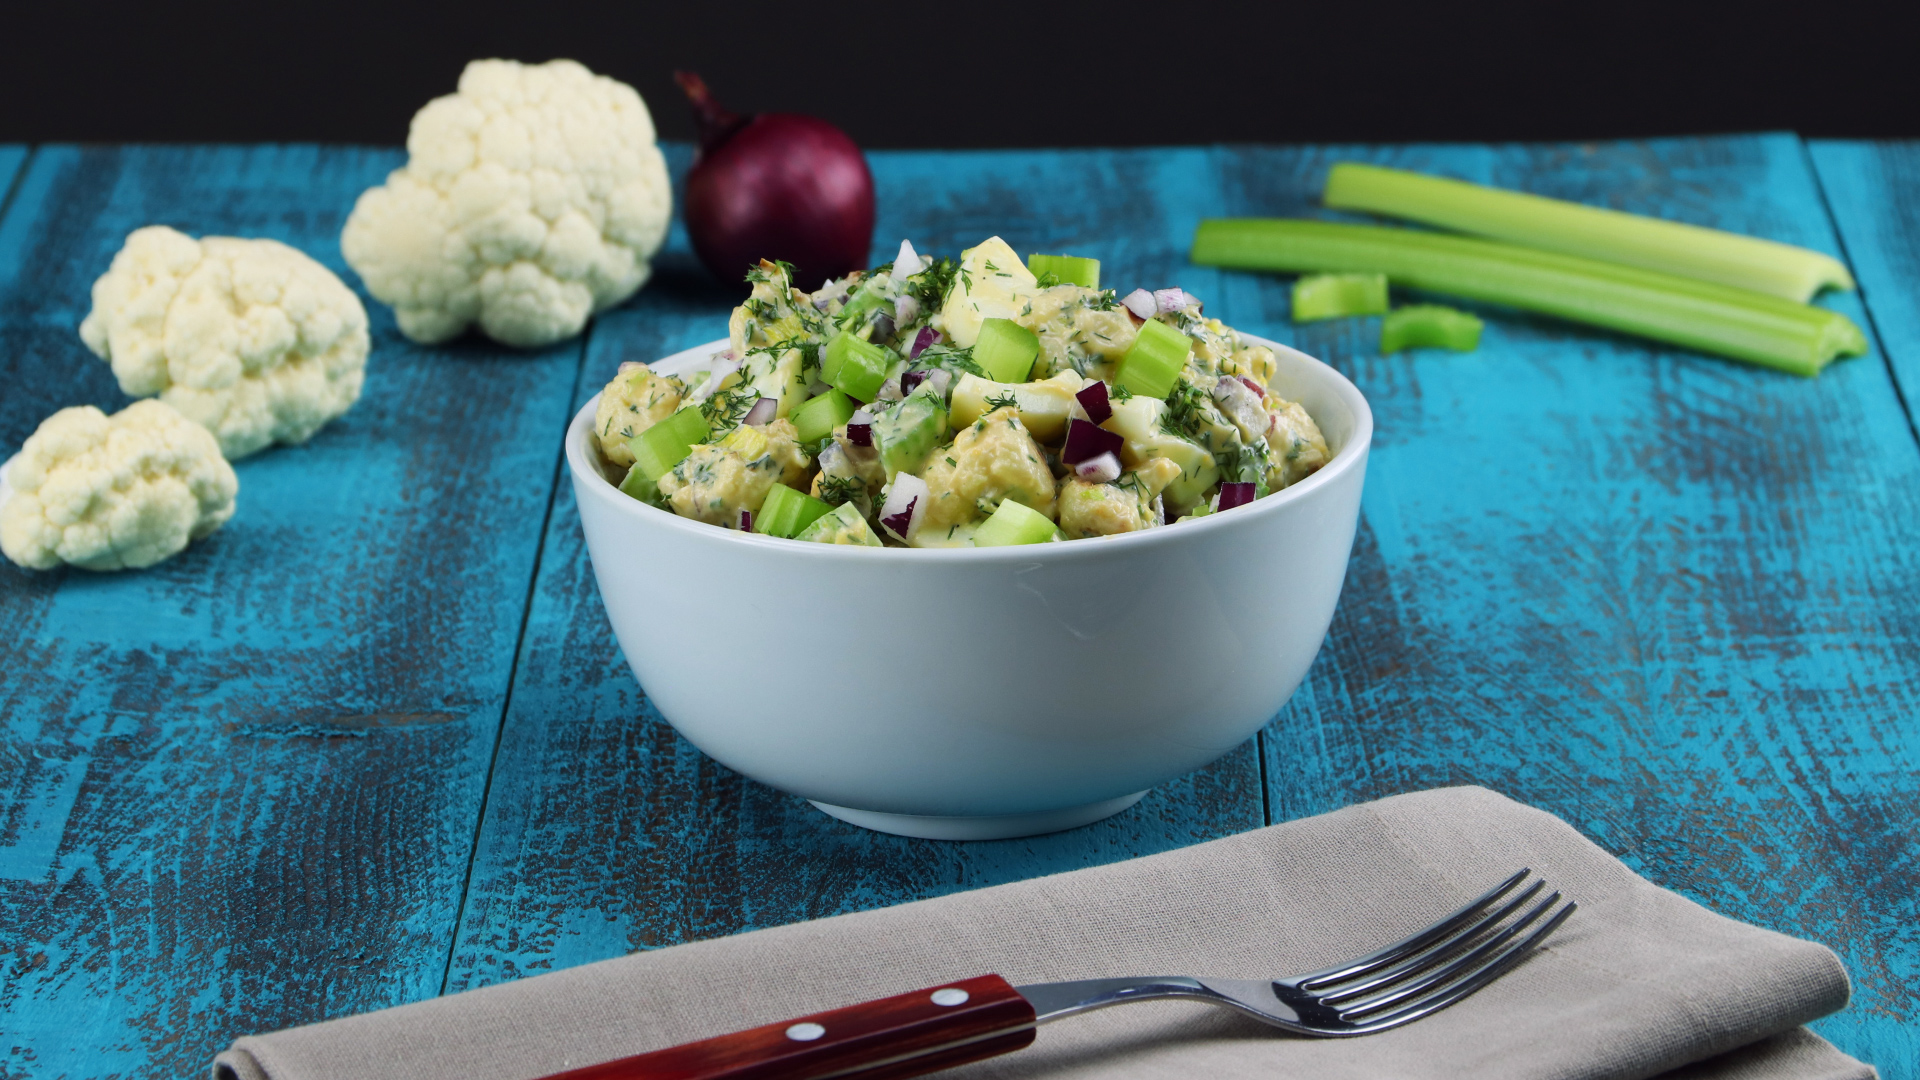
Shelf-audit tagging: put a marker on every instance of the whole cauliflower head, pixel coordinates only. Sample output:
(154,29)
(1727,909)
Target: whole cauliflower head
(250,338)
(531,199)
(113,492)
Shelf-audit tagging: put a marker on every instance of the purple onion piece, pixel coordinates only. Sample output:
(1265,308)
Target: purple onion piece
(1103,469)
(1171,300)
(1085,441)
(860,434)
(901,522)
(1140,302)
(762,413)
(927,336)
(1236,493)
(939,379)
(910,380)
(1094,399)
(746,521)
(1258,391)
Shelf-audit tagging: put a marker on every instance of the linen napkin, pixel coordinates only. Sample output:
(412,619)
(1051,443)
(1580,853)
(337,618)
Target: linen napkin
(1639,982)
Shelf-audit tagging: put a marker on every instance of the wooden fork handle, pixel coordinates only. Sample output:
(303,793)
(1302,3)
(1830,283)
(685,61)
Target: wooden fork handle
(907,1035)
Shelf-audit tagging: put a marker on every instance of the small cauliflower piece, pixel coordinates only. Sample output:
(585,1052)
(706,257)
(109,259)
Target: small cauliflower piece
(991,460)
(635,400)
(1082,330)
(113,493)
(249,338)
(993,283)
(532,198)
(1298,449)
(718,480)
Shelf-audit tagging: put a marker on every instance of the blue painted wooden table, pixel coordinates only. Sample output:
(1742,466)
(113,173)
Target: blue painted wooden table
(373,741)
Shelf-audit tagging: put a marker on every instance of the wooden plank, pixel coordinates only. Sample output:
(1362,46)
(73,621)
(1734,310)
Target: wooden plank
(1873,191)
(240,789)
(605,832)
(1667,597)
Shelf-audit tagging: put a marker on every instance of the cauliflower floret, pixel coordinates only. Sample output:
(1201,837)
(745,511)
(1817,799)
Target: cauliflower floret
(991,460)
(718,480)
(112,493)
(1082,330)
(249,338)
(635,400)
(1298,448)
(531,199)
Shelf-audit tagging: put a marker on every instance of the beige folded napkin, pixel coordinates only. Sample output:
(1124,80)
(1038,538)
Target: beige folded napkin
(1639,982)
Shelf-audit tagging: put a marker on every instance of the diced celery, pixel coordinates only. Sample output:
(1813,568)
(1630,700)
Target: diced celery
(908,433)
(1006,350)
(843,525)
(1429,326)
(1067,269)
(1337,296)
(816,419)
(1012,524)
(1154,363)
(855,366)
(666,444)
(786,512)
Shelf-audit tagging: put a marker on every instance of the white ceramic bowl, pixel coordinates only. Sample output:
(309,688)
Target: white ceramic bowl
(980,693)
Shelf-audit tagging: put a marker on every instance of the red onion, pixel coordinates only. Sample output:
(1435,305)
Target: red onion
(1235,493)
(762,412)
(906,505)
(927,336)
(746,516)
(1141,303)
(1086,441)
(1171,300)
(1258,390)
(939,379)
(906,308)
(775,186)
(860,428)
(891,390)
(908,260)
(909,380)
(1103,469)
(1093,398)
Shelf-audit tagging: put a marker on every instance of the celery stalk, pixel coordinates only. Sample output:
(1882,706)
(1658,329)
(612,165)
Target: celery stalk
(1718,319)
(1535,221)
(1338,296)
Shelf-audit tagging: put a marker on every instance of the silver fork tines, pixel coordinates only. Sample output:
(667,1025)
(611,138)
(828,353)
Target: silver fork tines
(1399,984)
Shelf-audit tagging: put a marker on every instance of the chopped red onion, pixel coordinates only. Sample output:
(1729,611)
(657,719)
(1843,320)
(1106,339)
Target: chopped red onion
(746,517)
(908,260)
(1103,469)
(762,413)
(724,365)
(1171,300)
(1242,406)
(1141,303)
(927,336)
(1086,441)
(905,506)
(939,379)
(1236,493)
(860,428)
(906,309)
(1258,390)
(911,380)
(1093,398)
(889,391)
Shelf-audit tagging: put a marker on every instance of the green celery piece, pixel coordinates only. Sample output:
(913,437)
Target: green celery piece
(1718,319)
(855,366)
(844,518)
(1154,363)
(1012,524)
(1429,326)
(1006,350)
(1337,296)
(816,418)
(786,512)
(1535,221)
(908,433)
(1067,269)
(666,444)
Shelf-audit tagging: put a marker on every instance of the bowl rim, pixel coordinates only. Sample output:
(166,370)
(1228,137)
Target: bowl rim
(1351,456)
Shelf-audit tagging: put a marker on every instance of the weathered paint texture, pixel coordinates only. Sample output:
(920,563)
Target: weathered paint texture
(374,741)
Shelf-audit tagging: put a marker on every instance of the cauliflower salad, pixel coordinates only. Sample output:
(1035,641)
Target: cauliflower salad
(979,403)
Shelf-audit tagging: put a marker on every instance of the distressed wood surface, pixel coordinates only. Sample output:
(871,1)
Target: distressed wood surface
(1873,191)
(239,790)
(1667,597)
(1664,596)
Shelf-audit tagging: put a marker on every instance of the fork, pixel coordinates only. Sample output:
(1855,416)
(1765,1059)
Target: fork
(972,1019)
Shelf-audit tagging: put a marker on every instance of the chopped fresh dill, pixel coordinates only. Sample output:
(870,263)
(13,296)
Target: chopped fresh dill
(1184,411)
(835,490)
(1003,401)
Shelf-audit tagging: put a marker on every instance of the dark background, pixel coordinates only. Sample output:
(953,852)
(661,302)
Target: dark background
(962,73)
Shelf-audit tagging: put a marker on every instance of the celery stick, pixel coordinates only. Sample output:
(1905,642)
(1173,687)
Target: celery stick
(817,417)
(1337,296)
(1067,269)
(1746,262)
(855,366)
(786,512)
(1719,319)
(1429,326)
(1154,362)
(1006,350)
(1014,523)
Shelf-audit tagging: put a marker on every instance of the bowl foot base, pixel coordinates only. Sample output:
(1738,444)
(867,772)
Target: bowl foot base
(997,827)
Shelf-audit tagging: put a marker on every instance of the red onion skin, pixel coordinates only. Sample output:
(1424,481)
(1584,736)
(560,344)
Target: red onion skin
(1236,493)
(777,186)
